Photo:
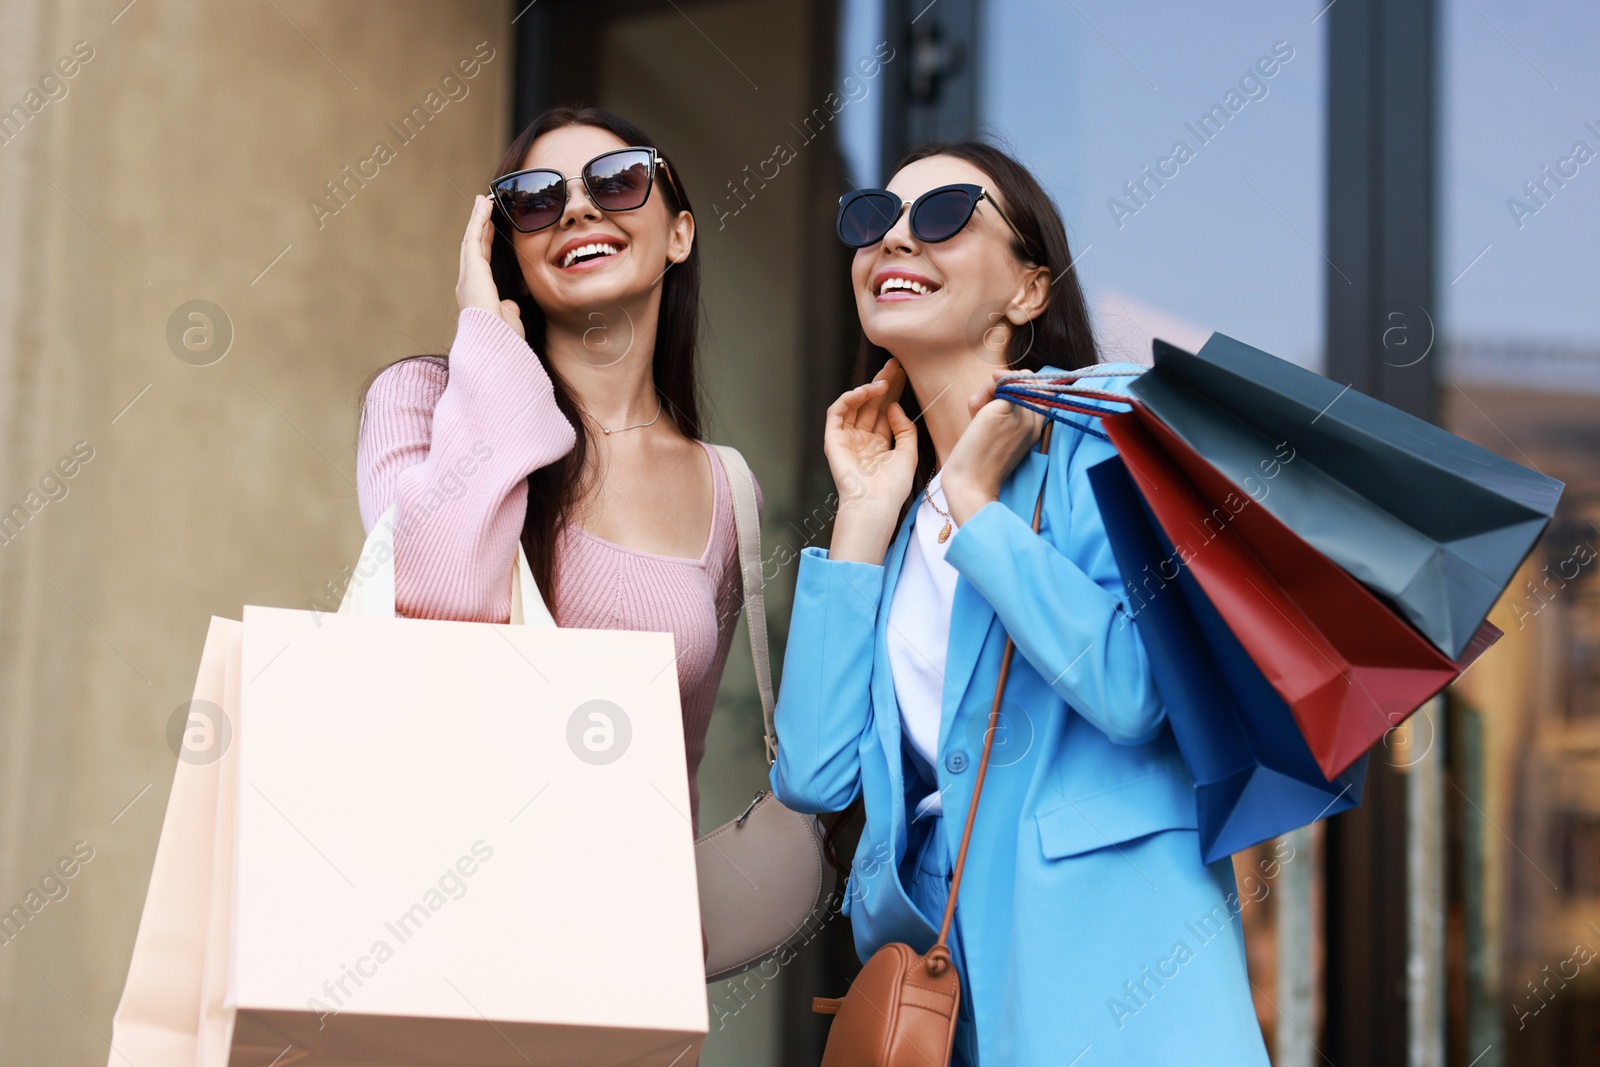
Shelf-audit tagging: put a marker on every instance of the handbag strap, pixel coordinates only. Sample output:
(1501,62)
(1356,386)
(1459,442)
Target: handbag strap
(747,529)
(988,743)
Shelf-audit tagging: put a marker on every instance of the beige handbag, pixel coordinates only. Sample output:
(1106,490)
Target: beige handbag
(764,878)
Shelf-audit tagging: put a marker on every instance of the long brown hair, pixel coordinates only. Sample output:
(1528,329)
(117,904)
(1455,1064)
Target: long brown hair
(1059,336)
(554,491)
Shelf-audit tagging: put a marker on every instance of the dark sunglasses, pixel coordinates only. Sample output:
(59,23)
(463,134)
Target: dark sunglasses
(937,215)
(616,181)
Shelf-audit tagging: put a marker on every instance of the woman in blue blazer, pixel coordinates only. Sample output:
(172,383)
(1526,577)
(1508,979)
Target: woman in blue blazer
(1087,929)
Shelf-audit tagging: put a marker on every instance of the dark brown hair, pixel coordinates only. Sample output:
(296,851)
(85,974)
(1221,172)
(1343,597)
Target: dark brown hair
(554,491)
(1060,336)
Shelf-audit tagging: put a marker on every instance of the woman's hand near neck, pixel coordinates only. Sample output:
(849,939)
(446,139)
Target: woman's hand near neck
(871,445)
(949,380)
(977,440)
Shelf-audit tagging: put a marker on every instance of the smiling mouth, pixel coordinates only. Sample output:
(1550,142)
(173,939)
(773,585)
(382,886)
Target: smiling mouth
(589,253)
(904,288)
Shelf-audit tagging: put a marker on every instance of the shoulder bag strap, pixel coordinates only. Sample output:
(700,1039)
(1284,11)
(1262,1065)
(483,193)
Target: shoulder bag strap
(988,736)
(747,527)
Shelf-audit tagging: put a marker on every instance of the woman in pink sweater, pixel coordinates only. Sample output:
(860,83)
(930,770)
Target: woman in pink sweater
(579,292)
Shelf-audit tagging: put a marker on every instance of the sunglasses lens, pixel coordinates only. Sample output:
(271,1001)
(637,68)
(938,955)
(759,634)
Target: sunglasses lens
(533,200)
(941,214)
(619,181)
(865,217)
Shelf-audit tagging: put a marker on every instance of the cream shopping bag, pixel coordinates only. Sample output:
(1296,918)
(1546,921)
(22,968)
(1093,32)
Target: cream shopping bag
(157,1020)
(453,843)
(461,843)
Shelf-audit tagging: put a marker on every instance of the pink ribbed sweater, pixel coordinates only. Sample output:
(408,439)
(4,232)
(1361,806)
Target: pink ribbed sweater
(453,450)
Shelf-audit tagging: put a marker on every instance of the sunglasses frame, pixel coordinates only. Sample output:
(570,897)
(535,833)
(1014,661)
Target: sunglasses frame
(975,192)
(656,163)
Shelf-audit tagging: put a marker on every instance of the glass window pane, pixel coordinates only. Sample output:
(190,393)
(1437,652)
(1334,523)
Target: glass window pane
(1184,147)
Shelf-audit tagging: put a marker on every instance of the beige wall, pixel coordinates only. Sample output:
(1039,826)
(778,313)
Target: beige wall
(177,167)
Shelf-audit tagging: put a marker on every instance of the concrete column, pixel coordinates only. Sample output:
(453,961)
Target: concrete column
(178,163)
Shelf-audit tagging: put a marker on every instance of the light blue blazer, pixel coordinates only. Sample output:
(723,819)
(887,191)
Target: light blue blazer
(1087,918)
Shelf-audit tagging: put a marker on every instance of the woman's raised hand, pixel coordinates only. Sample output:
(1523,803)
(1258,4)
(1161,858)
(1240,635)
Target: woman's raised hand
(475,286)
(990,448)
(871,447)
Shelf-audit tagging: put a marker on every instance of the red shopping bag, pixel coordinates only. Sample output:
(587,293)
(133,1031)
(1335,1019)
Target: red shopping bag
(1347,666)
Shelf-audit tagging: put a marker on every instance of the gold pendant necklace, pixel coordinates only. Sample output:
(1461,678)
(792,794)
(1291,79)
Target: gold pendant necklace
(944,531)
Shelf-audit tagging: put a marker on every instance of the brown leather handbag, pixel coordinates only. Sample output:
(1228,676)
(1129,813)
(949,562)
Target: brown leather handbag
(901,1009)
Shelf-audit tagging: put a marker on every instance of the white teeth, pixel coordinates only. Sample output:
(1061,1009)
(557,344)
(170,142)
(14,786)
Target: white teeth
(589,250)
(890,284)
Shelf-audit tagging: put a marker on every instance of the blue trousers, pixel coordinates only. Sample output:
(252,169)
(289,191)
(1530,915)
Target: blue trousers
(926,876)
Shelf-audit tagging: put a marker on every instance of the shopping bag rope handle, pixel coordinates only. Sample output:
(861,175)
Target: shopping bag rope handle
(1056,395)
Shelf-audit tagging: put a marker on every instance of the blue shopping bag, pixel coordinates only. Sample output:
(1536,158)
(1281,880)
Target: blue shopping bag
(1255,777)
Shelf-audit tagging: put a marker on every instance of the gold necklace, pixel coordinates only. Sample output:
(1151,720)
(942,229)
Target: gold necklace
(944,531)
(636,426)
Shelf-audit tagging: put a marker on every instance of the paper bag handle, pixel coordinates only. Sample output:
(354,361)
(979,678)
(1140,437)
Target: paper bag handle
(371,587)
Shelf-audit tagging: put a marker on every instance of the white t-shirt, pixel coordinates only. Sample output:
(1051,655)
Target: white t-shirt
(919,633)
